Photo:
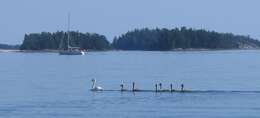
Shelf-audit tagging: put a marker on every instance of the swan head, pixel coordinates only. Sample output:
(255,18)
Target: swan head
(93,80)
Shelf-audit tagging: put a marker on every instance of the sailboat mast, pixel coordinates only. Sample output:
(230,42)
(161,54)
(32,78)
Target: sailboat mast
(68,30)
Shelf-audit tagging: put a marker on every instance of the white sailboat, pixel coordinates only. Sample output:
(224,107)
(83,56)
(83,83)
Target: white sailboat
(70,50)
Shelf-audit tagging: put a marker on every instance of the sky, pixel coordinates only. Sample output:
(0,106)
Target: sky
(115,17)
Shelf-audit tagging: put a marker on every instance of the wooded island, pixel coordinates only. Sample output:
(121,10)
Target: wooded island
(141,39)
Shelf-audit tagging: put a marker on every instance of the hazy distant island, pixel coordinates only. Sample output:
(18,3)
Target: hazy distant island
(9,47)
(142,39)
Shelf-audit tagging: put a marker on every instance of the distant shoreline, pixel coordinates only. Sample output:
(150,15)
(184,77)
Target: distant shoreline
(9,50)
(192,49)
(174,50)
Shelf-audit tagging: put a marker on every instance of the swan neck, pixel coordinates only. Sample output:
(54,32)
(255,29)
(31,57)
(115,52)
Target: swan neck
(93,84)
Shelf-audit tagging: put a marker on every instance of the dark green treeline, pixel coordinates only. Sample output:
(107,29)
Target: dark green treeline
(183,38)
(58,40)
(141,39)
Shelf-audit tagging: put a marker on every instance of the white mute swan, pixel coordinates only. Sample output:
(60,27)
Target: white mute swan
(94,87)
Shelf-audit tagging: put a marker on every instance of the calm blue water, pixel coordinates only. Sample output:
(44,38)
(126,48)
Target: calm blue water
(46,85)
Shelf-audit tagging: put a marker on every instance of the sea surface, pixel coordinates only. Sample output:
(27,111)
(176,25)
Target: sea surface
(222,84)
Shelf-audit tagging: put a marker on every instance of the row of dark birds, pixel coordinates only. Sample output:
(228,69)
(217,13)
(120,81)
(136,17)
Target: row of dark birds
(158,88)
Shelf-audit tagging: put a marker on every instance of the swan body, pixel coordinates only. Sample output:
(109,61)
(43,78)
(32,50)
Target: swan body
(94,87)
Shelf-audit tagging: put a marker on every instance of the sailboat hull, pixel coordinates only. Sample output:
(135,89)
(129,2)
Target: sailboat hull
(66,52)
